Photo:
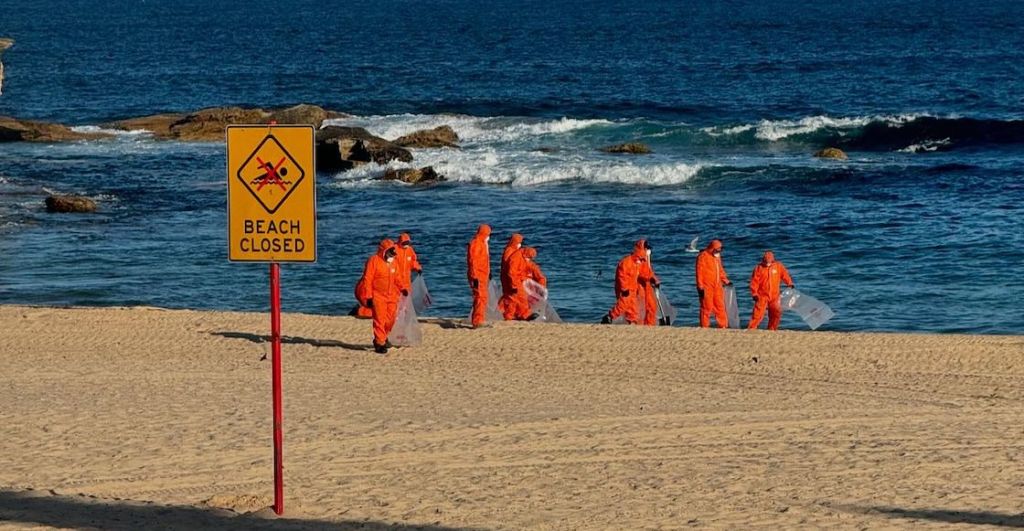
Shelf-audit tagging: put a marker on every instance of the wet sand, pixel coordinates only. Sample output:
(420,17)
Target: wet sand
(148,418)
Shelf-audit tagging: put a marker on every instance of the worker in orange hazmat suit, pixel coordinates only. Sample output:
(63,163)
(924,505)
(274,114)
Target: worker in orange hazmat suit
(768,275)
(478,272)
(711,278)
(382,287)
(627,285)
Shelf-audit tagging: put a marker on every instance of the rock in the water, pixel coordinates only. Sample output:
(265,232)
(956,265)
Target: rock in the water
(632,148)
(438,137)
(343,148)
(158,124)
(4,44)
(546,149)
(70,203)
(304,114)
(831,153)
(208,125)
(14,130)
(413,175)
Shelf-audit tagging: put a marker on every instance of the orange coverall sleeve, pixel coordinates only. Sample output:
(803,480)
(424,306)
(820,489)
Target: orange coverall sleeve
(364,289)
(538,275)
(786,279)
(414,264)
(477,261)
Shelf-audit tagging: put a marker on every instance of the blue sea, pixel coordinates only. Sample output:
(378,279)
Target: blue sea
(922,229)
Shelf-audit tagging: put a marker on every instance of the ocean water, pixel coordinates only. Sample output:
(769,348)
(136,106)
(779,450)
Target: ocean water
(921,230)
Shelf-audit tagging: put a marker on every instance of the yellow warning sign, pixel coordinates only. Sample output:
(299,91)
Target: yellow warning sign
(271,193)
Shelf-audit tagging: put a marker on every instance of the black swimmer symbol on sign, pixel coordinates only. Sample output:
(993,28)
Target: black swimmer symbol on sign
(267,180)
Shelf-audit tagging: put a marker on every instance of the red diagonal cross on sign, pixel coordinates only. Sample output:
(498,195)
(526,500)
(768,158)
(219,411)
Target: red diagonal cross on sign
(271,176)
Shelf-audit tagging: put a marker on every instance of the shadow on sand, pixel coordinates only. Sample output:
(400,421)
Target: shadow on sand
(45,508)
(952,517)
(294,340)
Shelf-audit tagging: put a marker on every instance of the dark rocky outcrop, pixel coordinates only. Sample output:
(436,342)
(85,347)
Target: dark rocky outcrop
(70,203)
(4,44)
(15,130)
(438,137)
(631,148)
(207,125)
(343,148)
(831,153)
(425,175)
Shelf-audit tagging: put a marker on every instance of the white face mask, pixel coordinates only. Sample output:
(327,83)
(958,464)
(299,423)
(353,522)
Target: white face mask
(518,245)
(487,239)
(391,259)
(717,254)
(648,253)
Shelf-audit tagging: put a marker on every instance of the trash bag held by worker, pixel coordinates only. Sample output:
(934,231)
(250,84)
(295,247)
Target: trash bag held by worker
(814,312)
(537,295)
(407,331)
(493,296)
(421,299)
(732,307)
(666,312)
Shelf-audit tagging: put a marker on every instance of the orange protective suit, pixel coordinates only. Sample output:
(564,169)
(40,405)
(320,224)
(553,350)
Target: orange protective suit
(406,257)
(382,286)
(627,284)
(647,282)
(513,245)
(764,288)
(710,279)
(362,310)
(478,272)
(514,303)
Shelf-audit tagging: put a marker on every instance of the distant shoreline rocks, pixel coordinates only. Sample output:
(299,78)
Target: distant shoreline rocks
(15,130)
(75,204)
(207,125)
(629,148)
(831,153)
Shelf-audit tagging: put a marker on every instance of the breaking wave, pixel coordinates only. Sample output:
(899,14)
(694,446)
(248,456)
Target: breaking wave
(471,129)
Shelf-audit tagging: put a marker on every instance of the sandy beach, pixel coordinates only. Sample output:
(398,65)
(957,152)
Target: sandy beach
(124,418)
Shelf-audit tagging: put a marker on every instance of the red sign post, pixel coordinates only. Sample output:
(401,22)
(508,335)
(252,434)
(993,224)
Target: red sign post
(264,198)
(275,362)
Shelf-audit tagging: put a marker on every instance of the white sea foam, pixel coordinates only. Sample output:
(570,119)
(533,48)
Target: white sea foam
(775,130)
(114,132)
(471,129)
(525,168)
(926,146)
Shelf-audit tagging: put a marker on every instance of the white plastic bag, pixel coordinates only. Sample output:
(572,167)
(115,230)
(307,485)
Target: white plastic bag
(421,299)
(814,312)
(493,296)
(407,331)
(666,312)
(537,295)
(732,307)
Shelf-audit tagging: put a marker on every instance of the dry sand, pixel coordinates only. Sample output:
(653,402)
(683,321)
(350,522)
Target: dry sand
(147,418)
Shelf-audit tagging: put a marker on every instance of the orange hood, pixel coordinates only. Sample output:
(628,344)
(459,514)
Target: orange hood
(640,249)
(385,245)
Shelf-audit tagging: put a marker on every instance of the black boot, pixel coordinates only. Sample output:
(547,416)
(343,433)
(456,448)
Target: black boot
(387,343)
(380,349)
(533,317)
(607,319)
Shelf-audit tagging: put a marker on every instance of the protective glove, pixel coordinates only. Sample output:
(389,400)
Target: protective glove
(791,286)
(656,284)
(624,293)
(728,283)
(405,293)
(755,298)
(475,283)
(700,293)
(369,303)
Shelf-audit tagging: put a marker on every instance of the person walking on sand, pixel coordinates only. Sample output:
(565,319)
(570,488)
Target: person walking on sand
(515,303)
(406,257)
(711,278)
(513,245)
(478,272)
(627,285)
(383,284)
(648,282)
(764,288)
